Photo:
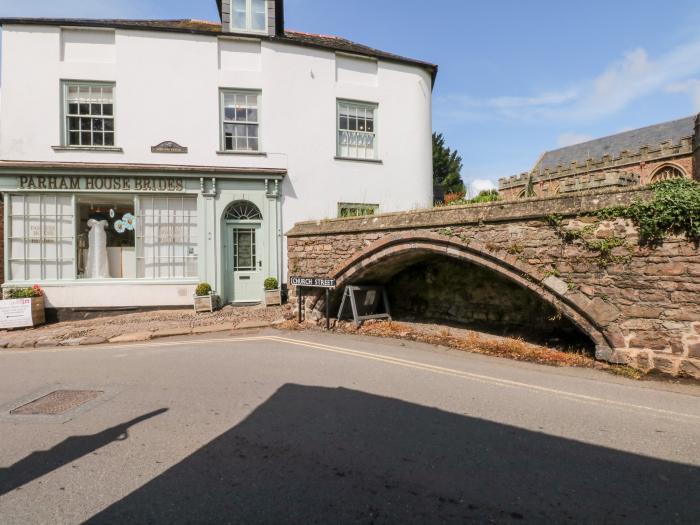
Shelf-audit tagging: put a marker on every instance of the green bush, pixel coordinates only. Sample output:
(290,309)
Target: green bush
(203,289)
(24,293)
(675,209)
(483,196)
(271,283)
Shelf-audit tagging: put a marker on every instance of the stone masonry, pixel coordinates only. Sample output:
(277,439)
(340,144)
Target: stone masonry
(639,305)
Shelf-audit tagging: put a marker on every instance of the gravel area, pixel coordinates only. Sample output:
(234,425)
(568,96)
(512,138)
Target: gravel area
(148,324)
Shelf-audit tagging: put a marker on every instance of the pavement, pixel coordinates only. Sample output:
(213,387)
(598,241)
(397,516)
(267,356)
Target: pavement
(276,427)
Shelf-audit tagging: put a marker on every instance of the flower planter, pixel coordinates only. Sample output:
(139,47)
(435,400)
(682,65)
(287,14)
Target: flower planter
(22,313)
(206,303)
(273,297)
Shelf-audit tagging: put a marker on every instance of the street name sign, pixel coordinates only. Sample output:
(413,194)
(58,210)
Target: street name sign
(312,282)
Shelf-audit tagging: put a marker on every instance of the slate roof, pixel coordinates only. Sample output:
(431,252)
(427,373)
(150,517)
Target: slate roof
(203,27)
(613,145)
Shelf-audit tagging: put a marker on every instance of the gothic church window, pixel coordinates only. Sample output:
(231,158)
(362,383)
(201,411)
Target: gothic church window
(667,173)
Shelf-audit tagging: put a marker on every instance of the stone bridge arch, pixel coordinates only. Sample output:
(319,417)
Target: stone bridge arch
(639,305)
(407,247)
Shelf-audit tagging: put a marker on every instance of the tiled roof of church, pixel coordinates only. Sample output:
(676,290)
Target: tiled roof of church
(613,145)
(214,28)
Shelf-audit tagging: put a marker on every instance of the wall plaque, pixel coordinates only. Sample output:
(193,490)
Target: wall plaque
(168,147)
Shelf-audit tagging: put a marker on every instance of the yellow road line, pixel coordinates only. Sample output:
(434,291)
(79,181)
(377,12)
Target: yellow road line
(482,378)
(392,361)
(145,344)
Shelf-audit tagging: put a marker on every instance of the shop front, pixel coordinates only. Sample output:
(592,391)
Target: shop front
(135,236)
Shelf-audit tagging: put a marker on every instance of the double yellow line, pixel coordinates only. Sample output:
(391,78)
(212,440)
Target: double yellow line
(406,363)
(485,379)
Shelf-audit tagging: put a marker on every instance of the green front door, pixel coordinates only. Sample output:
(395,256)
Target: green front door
(245,263)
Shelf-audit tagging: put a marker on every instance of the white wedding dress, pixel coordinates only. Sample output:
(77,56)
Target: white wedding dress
(97,263)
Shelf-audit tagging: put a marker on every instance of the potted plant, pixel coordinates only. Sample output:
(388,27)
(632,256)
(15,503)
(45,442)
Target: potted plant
(205,299)
(273,293)
(22,307)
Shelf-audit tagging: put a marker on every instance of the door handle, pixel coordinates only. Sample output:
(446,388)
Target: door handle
(260,264)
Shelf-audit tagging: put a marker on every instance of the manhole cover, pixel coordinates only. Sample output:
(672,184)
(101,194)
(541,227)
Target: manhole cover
(56,403)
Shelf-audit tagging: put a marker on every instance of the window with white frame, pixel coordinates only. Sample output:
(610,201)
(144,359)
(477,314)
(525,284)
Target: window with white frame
(357,135)
(166,237)
(41,237)
(240,124)
(249,15)
(89,114)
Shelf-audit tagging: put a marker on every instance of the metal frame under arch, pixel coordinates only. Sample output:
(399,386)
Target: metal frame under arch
(667,171)
(242,210)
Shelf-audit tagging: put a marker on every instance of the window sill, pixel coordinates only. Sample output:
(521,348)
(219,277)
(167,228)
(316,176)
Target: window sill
(351,159)
(249,153)
(111,149)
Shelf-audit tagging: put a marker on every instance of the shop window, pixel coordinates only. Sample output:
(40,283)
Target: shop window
(89,114)
(357,136)
(106,237)
(346,209)
(240,120)
(166,237)
(41,237)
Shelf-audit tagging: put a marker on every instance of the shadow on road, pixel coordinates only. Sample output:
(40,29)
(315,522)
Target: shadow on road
(318,455)
(41,463)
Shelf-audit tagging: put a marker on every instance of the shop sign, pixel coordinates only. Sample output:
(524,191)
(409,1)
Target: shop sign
(168,147)
(15,313)
(80,183)
(312,282)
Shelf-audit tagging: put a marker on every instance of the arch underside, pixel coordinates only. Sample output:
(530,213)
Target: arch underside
(378,264)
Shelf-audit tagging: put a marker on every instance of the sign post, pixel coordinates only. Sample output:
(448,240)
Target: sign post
(314,282)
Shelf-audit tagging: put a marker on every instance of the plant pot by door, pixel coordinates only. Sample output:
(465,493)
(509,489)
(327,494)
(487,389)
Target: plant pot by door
(206,303)
(273,297)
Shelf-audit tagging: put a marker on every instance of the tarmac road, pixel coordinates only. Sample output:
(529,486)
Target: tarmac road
(281,427)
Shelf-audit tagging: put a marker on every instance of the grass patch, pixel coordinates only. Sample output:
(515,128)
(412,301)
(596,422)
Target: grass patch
(626,371)
(494,346)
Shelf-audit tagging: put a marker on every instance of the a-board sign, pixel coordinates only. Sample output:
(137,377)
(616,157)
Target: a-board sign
(15,313)
(312,282)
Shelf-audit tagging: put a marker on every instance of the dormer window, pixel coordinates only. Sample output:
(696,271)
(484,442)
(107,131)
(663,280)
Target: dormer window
(249,15)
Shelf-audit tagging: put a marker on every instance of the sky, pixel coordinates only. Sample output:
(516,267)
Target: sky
(516,78)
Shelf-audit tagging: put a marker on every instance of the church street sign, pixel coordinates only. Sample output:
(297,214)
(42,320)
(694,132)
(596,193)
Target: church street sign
(312,282)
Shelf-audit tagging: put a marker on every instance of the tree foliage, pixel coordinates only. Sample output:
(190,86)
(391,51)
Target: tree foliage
(447,166)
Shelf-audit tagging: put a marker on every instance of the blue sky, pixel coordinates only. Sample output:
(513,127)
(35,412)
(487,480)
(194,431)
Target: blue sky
(516,77)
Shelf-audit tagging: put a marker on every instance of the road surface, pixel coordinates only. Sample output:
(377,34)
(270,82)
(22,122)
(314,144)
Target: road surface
(276,427)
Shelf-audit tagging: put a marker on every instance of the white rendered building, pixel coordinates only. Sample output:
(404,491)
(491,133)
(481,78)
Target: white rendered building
(200,144)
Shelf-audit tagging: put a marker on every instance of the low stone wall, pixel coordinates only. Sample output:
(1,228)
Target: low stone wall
(639,305)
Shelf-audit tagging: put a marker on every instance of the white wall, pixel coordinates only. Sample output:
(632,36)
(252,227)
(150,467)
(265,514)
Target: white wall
(167,89)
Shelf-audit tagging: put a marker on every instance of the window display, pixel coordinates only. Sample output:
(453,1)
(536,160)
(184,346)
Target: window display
(106,245)
(59,237)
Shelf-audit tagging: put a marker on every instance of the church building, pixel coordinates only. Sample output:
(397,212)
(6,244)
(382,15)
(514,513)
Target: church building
(633,158)
(141,157)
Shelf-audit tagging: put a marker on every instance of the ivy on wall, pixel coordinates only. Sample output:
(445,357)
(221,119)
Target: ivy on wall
(674,210)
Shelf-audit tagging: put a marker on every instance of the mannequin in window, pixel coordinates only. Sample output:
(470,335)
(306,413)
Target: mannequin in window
(97,215)
(97,263)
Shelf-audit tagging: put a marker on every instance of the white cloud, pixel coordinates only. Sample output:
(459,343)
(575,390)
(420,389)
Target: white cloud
(478,185)
(691,87)
(569,139)
(634,76)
